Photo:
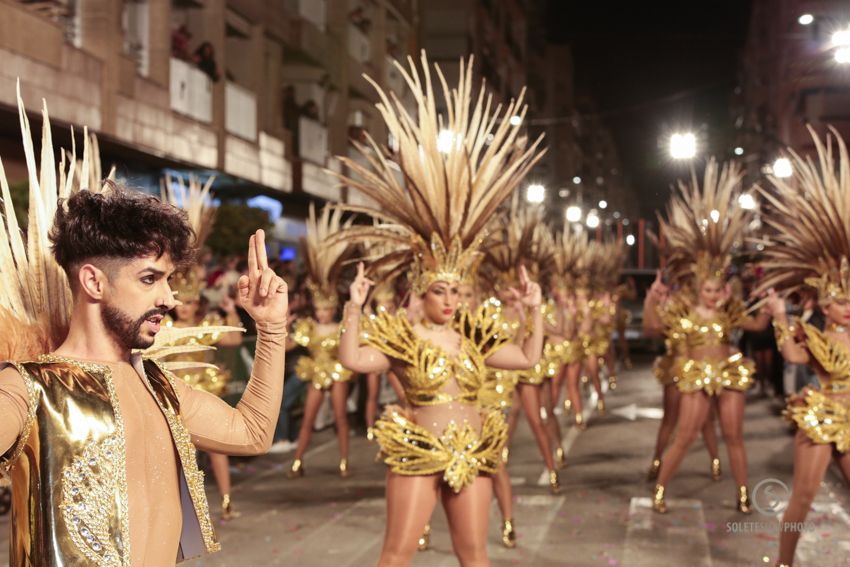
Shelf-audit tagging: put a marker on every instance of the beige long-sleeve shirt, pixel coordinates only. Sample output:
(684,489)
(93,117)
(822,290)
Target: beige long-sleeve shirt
(152,463)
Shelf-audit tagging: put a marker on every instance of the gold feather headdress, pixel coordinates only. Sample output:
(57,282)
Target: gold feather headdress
(35,301)
(603,264)
(704,223)
(569,257)
(324,258)
(515,238)
(195,200)
(810,217)
(450,174)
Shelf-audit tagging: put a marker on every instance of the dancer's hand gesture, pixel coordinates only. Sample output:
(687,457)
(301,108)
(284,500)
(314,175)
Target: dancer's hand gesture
(774,304)
(658,290)
(529,292)
(360,286)
(262,293)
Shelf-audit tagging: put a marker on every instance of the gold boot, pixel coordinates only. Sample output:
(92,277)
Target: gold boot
(653,470)
(580,422)
(506,453)
(715,469)
(568,406)
(370,433)
(658,503)
(612,382)
(343,468)
(744,504)
(297,469)
(600,406)
(227,512)
(560,458)
(425,539)
(508,534)
(554,482)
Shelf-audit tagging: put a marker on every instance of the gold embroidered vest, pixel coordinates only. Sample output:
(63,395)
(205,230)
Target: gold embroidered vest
(69,478)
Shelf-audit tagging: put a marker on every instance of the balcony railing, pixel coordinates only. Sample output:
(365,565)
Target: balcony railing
(358,44)
(312,140)
(191,91)
(314,11)
(240,111)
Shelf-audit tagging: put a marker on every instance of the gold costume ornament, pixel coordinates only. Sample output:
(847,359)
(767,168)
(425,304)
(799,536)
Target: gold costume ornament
(321,367)
(325,258)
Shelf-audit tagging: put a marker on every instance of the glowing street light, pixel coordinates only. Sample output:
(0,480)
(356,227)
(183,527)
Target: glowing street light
(516,120)
(592,220)
(842,55)
(535,193)
(576,180)
(573,213)
(630,239)
(739,151)
(747,201)
(841,38)
(782,168)
(603,204)
(805,19)
(683,145)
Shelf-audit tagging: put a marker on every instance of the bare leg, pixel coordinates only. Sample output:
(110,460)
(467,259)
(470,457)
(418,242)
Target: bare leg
(693,411)
(671,399)
(592,363)
(730,406)
(844,466)
(709,435)
(221,471)
(339,396)
(530,396)
(553,428)
(504,492)
(311,410)
(513,417)
(810,463)
(558,381)
(410,503)
(573,387)
(373,385)
(468,515)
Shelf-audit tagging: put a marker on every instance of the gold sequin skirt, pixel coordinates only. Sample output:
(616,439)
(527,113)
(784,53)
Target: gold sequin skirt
(715,375)
(547,367)
(497,393)
(571,351)
(666,369)
(824,419)
(212,380)
(460,453)
(322,375)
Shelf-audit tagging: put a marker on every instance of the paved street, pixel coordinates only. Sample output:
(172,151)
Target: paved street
(602,517)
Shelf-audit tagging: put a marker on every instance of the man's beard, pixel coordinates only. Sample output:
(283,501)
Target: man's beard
(125,330)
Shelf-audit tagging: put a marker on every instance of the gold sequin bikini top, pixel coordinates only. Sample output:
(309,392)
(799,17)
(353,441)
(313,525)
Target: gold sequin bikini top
(427,368)
(305,333)
(684,324)
(832,355)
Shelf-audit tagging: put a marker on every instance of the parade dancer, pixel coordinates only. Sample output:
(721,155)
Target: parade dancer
(442,447)
(320,335)
(100,442)
(703,224)
(809,247)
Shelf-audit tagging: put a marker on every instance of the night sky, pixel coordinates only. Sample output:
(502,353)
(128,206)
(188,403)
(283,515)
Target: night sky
(653,67)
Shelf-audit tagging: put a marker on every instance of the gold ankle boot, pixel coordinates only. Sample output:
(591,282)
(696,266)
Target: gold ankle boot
(227,512)
(297,469)
(744,504)
(715,469)
(560,458)
(580,422)
(658,503)
(612,382)
(425,539)
(653,470)
(370,433)
(554,482)
(508,534)
(600,406)
(568,406)
(343,468)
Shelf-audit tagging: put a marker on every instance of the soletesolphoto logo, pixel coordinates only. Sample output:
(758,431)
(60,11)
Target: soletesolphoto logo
(770,496)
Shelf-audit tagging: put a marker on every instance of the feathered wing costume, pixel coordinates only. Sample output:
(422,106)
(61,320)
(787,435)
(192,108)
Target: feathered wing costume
(809,215)
(324,259)
(451,173)
(704,224)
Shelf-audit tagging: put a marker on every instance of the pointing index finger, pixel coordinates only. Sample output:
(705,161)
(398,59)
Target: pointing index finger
(252,255)
(262,257)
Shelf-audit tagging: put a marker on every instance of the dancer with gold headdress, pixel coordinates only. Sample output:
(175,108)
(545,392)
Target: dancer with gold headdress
(703,225)
(198,369)
(443,446)
(324,261)
(810,246)
(100,440)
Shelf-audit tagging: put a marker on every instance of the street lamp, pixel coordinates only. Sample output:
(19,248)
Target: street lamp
(747,201)
(516,120)
(592,219)
(842,55)
(630,239)
(739,151)
(683,145)
(806,19)
(782,168)
(603,204)
(576,180)
(573,213)
(535,193)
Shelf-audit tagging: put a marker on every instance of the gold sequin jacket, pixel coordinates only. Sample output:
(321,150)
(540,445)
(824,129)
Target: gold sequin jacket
(69,474)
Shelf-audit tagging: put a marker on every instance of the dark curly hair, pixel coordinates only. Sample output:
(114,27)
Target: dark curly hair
(118,223)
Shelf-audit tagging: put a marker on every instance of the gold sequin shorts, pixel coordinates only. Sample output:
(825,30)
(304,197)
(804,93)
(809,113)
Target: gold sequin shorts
(322,375)
(460,453)
(550,363)
(571,351)
(666,369)
(497,393)
(715,375)
(824,419)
